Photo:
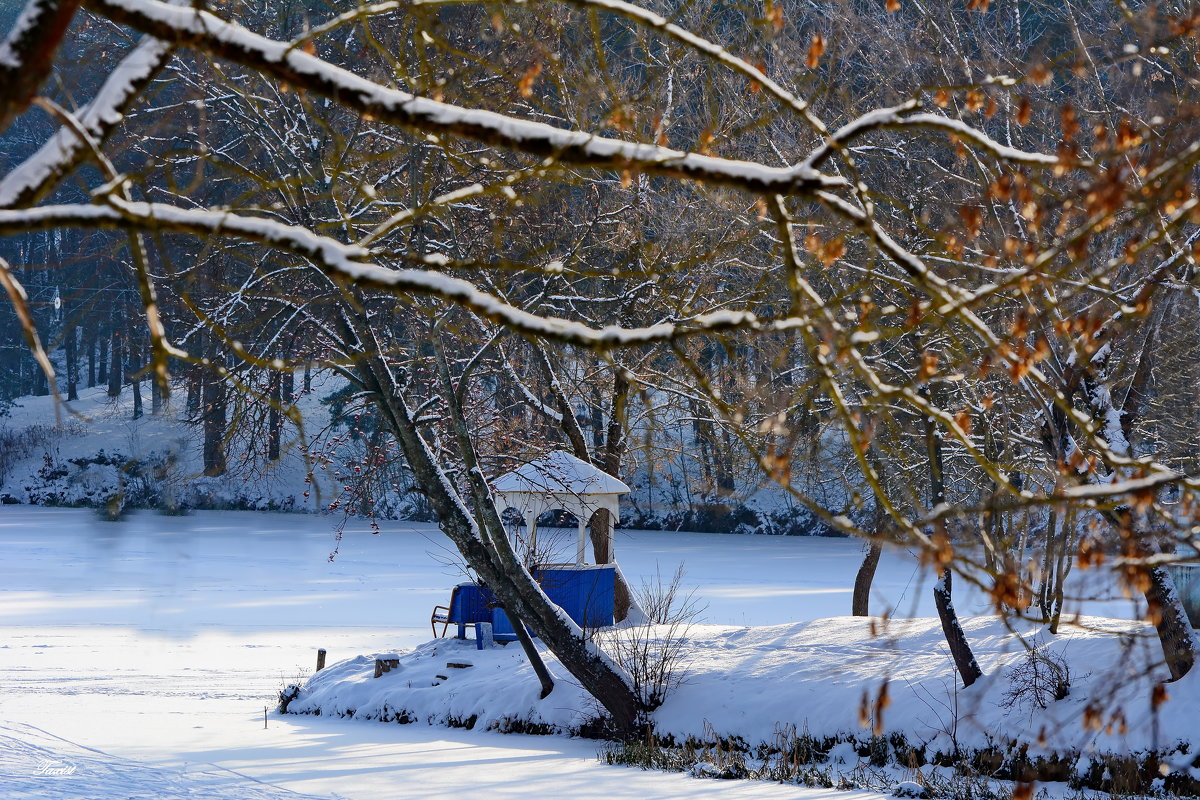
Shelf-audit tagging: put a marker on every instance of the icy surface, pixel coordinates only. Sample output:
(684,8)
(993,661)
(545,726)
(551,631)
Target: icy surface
(160,640)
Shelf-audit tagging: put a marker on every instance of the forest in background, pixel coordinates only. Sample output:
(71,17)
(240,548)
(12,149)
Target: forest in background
(697,430)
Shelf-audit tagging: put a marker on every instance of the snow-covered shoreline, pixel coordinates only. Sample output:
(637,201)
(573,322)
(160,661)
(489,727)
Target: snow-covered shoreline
(747,684)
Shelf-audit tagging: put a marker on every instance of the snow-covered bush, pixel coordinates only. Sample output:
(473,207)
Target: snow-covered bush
(1039,677)
(652,653)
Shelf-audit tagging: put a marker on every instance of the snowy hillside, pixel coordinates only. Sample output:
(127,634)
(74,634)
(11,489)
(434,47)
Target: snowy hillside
(92,451)
(821,679)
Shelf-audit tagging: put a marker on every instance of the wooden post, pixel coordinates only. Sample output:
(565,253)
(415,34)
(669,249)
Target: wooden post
(320,659)
(385,665)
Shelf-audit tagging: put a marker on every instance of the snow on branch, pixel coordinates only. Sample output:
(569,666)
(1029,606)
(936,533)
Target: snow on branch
(900,117)
(27,53)
(35,177)
(350,263)
(209,33)
(975,136)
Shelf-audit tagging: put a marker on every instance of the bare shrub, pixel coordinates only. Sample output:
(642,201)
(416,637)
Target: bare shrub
(652,653)
(19,444)
(1039,678)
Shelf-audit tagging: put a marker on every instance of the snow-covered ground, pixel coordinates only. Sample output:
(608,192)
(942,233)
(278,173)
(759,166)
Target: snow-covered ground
(159,641)
(73,454)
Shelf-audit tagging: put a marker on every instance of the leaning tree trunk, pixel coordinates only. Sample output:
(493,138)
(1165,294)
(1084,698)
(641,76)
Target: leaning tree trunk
(862,581)
(1170,619)
(960,648)
(1164,607)
(484,545)
(860,601)
(1178,641)
(531,652)
(956,638)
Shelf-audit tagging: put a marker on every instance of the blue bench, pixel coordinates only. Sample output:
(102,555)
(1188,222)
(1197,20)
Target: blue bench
(470,603)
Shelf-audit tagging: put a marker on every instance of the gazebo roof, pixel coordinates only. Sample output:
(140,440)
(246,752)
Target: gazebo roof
(559,473)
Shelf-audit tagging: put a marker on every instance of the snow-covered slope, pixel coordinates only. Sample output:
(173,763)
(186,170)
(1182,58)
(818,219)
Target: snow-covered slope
(92,451)
(749,683)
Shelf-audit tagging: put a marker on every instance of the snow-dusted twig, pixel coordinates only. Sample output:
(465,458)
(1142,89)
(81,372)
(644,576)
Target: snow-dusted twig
(37,175)
(27,53)
(351,263)
(710,49)
(209,33)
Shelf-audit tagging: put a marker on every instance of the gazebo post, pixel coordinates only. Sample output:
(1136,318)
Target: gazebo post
(531,529)
(581,543)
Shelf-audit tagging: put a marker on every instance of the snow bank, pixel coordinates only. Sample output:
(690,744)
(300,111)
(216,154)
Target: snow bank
(94,451)
(823,677)
(493,689)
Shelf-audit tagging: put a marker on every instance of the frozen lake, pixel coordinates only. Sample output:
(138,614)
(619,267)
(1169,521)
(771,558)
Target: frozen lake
(159,641)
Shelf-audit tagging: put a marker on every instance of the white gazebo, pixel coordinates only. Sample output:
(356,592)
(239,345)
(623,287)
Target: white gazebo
(559,480)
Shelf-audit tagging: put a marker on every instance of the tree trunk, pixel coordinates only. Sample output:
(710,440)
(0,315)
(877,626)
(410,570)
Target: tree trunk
(862,581)
(213,414)
(274,416)
(1061,568)
(1171,620)
(596,413)
(943,590)
(71,348)
(41,384)
(483,543)
(195,384)
(1164,607)
(134,377)
(1045,590)
(102,361)
(960,648)
(115,371)
(90,343)
(600,526)
(155,397)
(531,652)
(610,462)
(1175,635)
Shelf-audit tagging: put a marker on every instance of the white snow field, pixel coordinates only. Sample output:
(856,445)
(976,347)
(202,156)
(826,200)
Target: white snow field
(137,658)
